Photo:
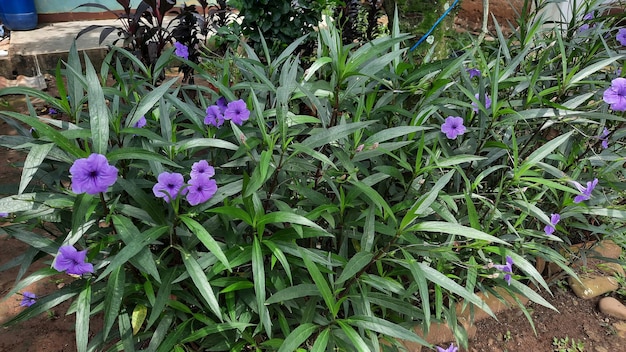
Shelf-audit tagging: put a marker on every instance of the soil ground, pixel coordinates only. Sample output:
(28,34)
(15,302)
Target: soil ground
(577,319)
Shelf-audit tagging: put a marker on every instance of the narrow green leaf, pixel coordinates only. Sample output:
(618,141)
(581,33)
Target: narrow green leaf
(129,153)
(99,115)
(199,278)
(149,101)
(321,342)
(209,242)
(287,217)
(354,265)
(293,292)
(422,285)
(541,153)
(126,332)
(355,338)
(36,155)
(385,327)
(455,229)
(258,276)
(83,311)
(280,256)
(324,136)
(321,283)
(297,337)
(113,299)
(139,242)
(48,132)
(442,280)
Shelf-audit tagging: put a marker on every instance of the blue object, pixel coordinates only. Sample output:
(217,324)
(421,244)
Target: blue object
(434,25)
(18,15)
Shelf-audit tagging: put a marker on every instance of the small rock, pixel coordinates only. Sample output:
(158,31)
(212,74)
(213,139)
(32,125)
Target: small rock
(612,307)
(608,249)
(620,328)
(600,349)
(593,286)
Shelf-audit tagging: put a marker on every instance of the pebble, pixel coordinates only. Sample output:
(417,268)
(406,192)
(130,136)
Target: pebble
(612,307)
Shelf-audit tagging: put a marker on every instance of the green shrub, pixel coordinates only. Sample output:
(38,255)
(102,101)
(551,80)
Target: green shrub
(347,207)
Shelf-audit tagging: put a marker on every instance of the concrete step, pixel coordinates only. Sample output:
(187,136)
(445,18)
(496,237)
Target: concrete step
(49,43)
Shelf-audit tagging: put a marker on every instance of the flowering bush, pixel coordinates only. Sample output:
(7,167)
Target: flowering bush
(329,208)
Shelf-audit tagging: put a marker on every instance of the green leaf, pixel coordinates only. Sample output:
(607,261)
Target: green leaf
(286,217)
(126,332)
(385,327)
(422,285)
(129,153)
(113,299)
(200,281)
(205,143)
(321,342)
(541,153)
(258,276)
(99,115)
(321,284)
(36,155)
(375,197)
(354,265)
(297,337)
(455,229)
(48,132)
(442,280)
(325,136)
(393,132)
(30,279)
(206,239)
(355,338)
(215,328)
(293,292)
(139,242)
(149,101)
(83,309)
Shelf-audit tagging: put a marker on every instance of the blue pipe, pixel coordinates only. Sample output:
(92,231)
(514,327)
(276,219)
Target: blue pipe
(434,25)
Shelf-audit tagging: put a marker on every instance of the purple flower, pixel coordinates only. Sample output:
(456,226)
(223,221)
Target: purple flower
(554,219)
(92,175)
(449,349)
(615,95)
(237,112)
(4,215)
(182,50)
(604,138)
(52,111)
(168,186)
(473,72)
(28,299)
(621,36)
(453,126)
(141,122)
(487,102)
(585,191)
(202,169)
(72,261)
(586,26)
(222,103)
(214,116)
(200,190)
(506,268)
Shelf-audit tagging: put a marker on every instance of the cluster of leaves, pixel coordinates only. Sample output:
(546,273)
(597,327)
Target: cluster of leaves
(343,215)
(279,23)
(146,32)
